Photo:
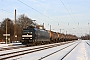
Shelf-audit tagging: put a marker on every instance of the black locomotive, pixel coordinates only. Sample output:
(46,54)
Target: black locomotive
(34,36)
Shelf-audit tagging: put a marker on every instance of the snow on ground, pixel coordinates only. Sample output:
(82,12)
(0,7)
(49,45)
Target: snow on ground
(10,44)
(39,54)
(15,44)
(81,52)
(3,45)
(20,49)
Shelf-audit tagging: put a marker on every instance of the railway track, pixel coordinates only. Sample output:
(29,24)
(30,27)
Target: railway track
(88,43)
(60,50)
(10,48)
(69,52)
(27,51)
(16,47)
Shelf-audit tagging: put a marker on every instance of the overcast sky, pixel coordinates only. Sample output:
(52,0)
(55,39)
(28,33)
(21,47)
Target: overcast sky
(72,16)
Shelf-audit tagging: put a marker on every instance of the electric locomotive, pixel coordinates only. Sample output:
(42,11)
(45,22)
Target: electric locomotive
(34,36)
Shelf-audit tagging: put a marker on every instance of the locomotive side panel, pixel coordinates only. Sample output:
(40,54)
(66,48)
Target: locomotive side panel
(42,35)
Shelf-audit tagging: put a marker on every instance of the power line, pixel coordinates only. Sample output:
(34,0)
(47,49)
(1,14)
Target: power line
(66,8)
(9,4)
(6,11)
(31,8)
(35,10)
(69,6)
(38,11)
(44,8)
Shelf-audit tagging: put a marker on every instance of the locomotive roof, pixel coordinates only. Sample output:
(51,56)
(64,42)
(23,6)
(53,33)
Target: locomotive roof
(30,27)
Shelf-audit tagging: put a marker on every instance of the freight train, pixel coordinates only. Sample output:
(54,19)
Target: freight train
(35,36)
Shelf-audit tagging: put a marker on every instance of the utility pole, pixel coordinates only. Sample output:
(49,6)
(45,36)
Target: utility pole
(66,35)
(6,31)
(89,35)
(60,30)
(50,27)
(60,34)
(66,32)
(43,25)
(15,26)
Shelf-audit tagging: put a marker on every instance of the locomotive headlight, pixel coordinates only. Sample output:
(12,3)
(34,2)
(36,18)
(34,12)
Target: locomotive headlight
(31,32)
(22,38)
(30,38)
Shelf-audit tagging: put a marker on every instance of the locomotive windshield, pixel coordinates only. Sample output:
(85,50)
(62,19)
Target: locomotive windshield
(27,31)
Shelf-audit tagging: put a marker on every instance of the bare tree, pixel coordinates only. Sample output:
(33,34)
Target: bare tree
(23,21)
(10,28)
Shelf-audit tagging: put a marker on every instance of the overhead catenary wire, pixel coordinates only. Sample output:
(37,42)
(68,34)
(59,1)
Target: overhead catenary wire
(1,17)
(70,9)
(49,12)
(36,10)
(4,9)
(7,11)
(29,7)
(72,16)
(66,8)
(9,4)
(43,7)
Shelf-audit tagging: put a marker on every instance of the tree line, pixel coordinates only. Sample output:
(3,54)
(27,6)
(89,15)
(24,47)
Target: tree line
(86,37)
(22,21)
